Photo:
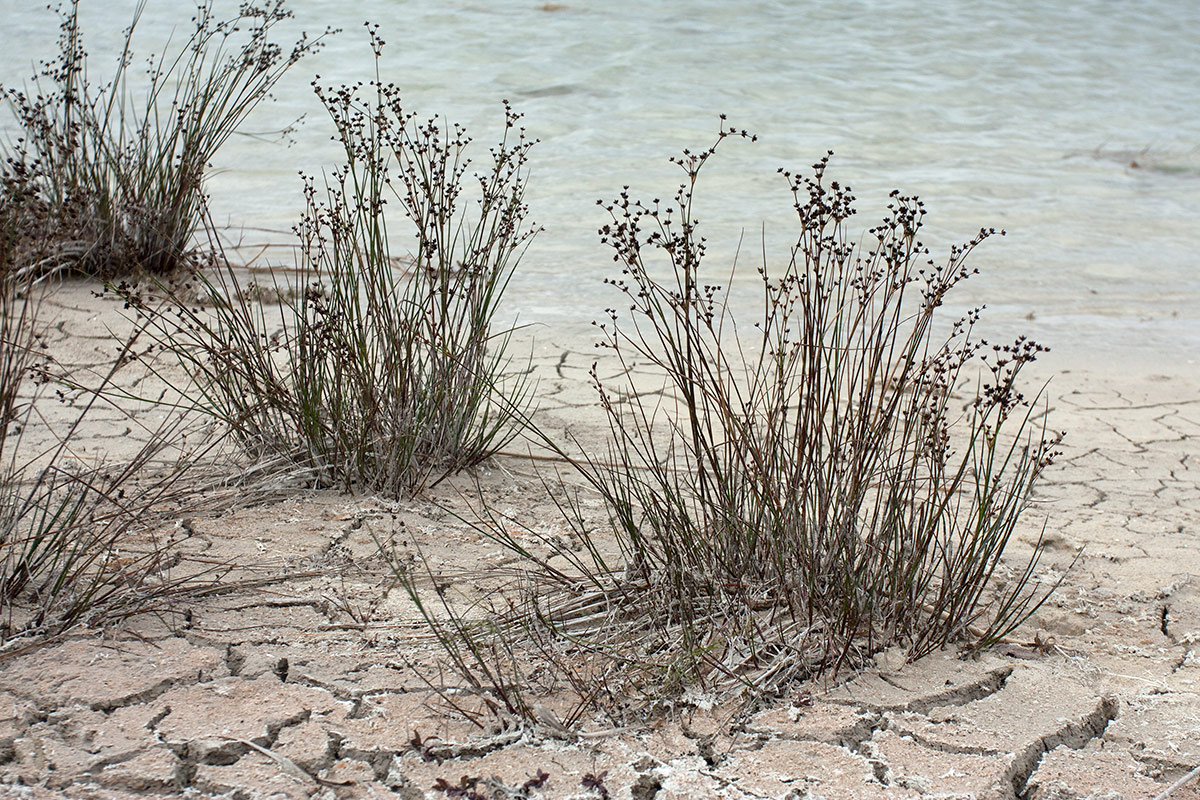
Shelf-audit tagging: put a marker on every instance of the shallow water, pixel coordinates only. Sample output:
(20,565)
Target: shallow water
(1075,126)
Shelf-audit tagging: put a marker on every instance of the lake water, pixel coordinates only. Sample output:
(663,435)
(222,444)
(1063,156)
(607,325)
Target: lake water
(1075,126)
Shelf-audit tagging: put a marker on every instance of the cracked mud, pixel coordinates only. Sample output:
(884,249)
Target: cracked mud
(312,680)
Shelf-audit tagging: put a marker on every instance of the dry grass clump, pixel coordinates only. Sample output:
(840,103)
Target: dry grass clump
(381,373)
(77,543)
(115,172)
(802,493)
(795,495)
(105,180)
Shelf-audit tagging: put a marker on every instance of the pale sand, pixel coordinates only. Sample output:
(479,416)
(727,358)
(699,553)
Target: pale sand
(281,692)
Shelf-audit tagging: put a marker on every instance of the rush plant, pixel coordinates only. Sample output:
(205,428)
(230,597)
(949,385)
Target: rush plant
(381,371)
(77,537)
(118,168)
(840,476)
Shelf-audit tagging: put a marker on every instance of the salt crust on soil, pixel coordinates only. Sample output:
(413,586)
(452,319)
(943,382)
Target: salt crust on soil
(302,687)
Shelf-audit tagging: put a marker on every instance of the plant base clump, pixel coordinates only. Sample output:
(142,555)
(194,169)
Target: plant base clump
(841,477)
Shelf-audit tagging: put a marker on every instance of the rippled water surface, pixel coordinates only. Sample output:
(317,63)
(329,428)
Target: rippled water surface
(1075,126)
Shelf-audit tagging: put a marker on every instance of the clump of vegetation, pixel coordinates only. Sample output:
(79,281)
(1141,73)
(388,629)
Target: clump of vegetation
(76,539)
(841,477)
(382,373)
(794,497)
(115,176)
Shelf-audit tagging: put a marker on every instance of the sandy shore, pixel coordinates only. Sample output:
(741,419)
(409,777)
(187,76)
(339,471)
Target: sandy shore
(301,684)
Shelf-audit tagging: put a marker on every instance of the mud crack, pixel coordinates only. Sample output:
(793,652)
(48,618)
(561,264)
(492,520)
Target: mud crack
(958,695)
(1075,735)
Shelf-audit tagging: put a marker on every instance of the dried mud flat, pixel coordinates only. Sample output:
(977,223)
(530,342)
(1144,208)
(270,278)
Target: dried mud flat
(302,679)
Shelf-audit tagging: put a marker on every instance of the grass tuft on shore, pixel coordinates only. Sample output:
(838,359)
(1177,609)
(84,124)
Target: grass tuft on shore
(377,371)
(78,540)
(841,476)
(115,171)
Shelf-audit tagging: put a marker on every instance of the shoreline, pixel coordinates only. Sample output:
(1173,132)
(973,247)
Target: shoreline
(1129,332)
